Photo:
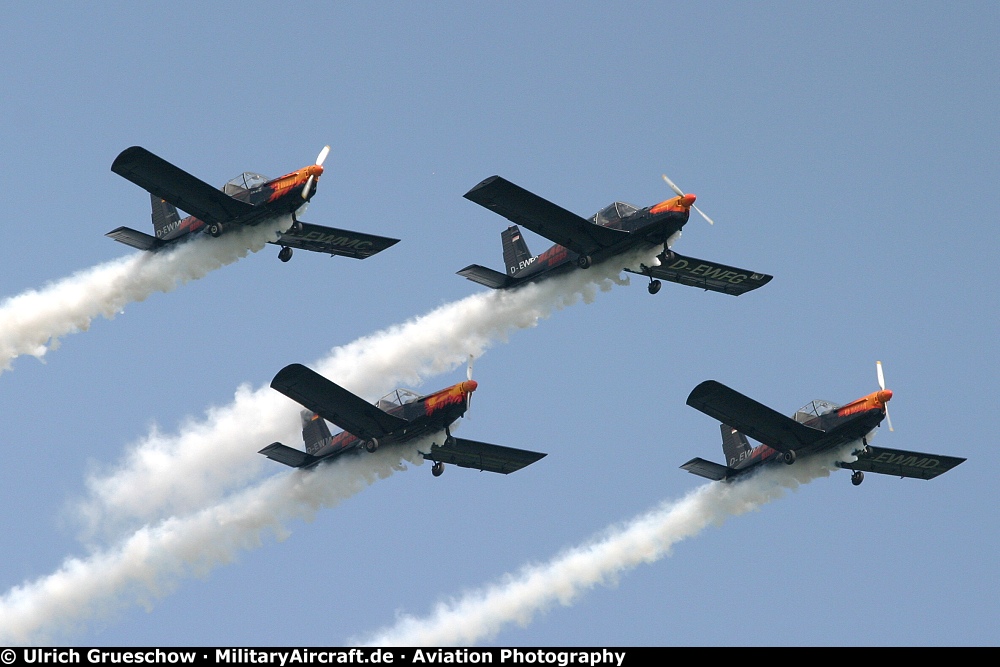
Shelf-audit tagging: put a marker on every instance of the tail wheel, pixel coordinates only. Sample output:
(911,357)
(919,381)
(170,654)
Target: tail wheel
(857,477)
(437,468)
(654,286)
(285,254)
(215,229)
(584,261)
(788,457)
(371,446)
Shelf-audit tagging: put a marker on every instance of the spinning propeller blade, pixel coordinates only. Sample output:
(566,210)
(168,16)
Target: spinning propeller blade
(881,385)
(311,181)
(681,193)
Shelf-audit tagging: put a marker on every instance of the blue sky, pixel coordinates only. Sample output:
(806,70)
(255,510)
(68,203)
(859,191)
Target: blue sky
(849,150)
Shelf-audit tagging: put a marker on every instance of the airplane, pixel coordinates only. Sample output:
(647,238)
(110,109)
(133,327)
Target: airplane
(816,427)
(398,417)
(246,200)
(616,229)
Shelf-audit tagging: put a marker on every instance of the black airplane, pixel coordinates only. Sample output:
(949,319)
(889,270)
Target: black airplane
(396,418)
(246,200)
(817,427)
(616,229)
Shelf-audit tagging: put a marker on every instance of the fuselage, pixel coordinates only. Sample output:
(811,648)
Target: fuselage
(271,199)
(649,227)
(424,415)
(840,425)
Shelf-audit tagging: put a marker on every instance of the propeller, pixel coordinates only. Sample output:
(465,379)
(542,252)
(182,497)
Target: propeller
(881,384)
(468,395)
(307,189)
(681,193)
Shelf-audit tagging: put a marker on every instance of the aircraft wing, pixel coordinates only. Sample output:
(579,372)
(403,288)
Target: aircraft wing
(707,469)
(295,458)
(483,456)
(173,184)
(135,238)
(485,276)
(903,463)
(543,217)
(318,238)
(707,275)
(750,417)
(334,403)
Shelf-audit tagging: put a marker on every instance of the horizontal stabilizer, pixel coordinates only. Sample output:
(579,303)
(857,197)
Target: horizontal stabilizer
(135,238)
(750,417)
(902,463)
(706,275)
(334,403)
(290,457)
(188,193)
(344,242)
(483,456)
(707,469)
(484,276)
(543,217)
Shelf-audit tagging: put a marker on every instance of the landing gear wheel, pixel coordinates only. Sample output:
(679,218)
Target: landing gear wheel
(584,261)
(857,477)
(654,286)
(437,468)
(371,446)
(449,440)
(285,254)
(788,457)
(215,229)
(296,226)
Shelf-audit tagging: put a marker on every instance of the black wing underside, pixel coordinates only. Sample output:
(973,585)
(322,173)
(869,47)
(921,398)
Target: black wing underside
(902,463)
(706,275)
(751,418)
(543,217)
(344,242)
(173,184)
(483,456)
(334,403)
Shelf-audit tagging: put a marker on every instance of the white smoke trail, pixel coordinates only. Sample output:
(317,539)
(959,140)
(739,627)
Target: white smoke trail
(34,321)
(163,475)
(481,614)
(154,558)
(149,563)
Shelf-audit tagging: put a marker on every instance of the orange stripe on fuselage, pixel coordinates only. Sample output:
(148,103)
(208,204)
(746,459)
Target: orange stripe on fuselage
(874,401)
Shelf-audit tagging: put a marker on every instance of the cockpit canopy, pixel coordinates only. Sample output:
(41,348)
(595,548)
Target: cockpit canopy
(238,187)
(813,409)
(395,398)
(611,216)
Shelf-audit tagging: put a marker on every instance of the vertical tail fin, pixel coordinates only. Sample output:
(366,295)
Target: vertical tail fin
(315,432)
(516,255)
(165,217)
(734,445)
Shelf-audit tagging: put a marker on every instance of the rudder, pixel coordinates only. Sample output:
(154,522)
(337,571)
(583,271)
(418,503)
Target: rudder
(735,445)
(516,255)
(165,217)
(315,432)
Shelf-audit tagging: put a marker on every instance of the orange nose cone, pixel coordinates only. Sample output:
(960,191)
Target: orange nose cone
(469,386)
(317,169)
(688,200)
(885,395)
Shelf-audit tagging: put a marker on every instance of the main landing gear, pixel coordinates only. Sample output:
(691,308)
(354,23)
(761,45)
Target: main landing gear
(215,229)
(371,446)
(437,468)
(788,457)
(654,286)
(857,477)
(285,253)
(584,261)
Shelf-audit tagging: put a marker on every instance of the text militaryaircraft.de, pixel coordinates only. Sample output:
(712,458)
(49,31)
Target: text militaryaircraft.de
(396,418)
(616,229)
(816,427)
(248,199)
